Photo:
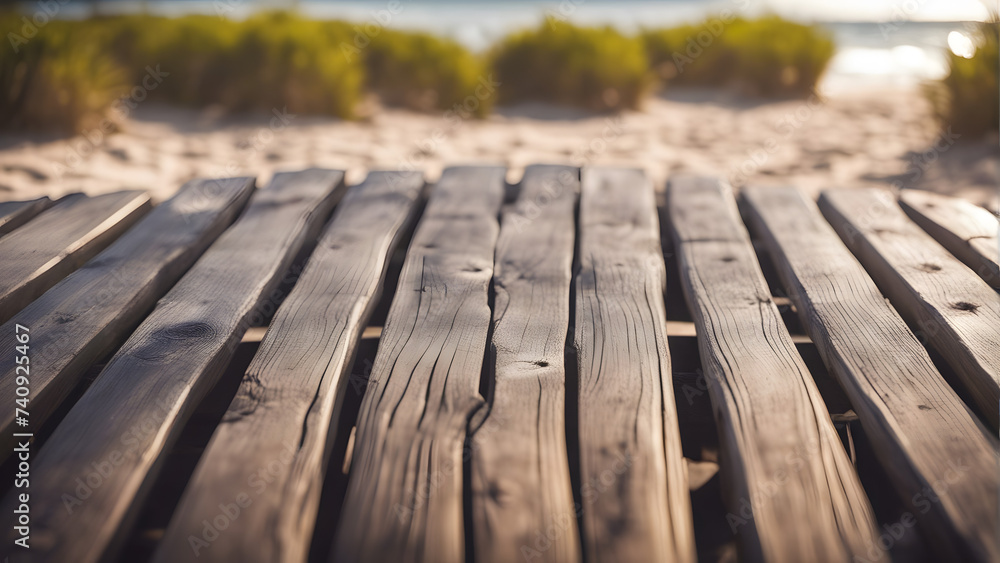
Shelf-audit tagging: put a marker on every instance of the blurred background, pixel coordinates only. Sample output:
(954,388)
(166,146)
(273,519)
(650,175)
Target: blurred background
(99,96)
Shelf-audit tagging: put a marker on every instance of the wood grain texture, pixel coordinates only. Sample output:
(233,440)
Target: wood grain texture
(13,214)
(945,302)
(522,497)
(404,498)
(289,403)
(922,431)
(636,504)
(60,240)
(970,232)
(782,459)
(90,312)
(159,375)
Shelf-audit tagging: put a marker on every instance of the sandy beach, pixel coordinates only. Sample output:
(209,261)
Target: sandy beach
(875,137)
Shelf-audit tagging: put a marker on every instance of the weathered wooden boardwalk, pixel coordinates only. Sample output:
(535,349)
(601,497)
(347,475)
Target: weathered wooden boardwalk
(577,367)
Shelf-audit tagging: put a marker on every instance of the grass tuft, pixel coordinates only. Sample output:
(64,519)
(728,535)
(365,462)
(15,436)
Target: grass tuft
(769,56)
(70,73)
(423,72)
(967,100)
(594,68)
(55,81)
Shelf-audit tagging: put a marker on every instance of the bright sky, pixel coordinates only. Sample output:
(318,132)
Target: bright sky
(886,10)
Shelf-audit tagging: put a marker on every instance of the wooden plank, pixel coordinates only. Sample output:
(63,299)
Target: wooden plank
(404,498)
(155,381)
(919,426)
(522,497)
(60,240)
(91,311)
(946,303)
(636,504)
(783,462)
(289,403)
(970,232)
(13,214)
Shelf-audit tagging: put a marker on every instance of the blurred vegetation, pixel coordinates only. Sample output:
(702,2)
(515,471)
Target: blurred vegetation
(967,100)
(423,72)
(769,56)
(69,71)
(69,74)
(56,81)
(269,61)
(594,68)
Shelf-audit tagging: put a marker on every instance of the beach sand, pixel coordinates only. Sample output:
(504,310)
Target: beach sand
(865,138)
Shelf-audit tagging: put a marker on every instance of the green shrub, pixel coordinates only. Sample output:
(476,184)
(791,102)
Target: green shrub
(193,50)
(594,68)
(55,81)
(677,58)
(280,60)
(769,56)
(71,72)
(968,99)
(423,72)
(271,60)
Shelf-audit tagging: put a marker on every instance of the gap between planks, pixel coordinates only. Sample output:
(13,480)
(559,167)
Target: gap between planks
(91,311)
(256,333)
(946,303)
(285,413)
(405,495)
(923,433)
(627,415)
(782,457)
(164,369)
